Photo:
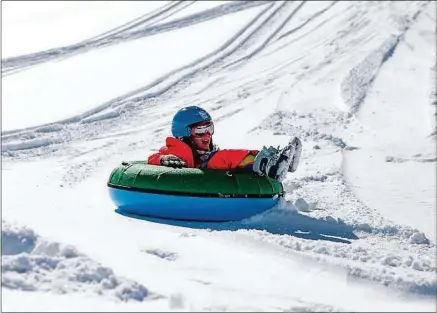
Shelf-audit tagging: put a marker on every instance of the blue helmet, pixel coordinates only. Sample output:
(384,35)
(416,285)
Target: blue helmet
(180,127)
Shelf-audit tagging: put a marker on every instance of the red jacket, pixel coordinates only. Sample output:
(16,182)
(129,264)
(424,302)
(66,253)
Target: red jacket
(221,160)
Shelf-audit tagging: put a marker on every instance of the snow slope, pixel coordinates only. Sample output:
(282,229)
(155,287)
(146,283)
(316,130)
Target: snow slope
(30,26)
(354,80)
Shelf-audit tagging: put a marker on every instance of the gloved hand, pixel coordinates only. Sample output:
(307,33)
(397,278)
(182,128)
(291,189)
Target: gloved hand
(172,161)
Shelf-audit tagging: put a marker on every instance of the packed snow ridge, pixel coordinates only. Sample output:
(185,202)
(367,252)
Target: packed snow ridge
(31,263)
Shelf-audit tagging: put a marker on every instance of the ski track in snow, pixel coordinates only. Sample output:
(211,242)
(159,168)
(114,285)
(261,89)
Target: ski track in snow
(360,78)
(144,26)
(338,229)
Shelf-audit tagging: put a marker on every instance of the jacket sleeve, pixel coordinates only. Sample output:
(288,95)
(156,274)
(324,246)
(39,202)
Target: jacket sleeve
(175,147)
(229,159)
(154,159)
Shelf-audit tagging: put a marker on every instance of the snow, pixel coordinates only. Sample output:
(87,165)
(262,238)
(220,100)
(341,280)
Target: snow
(355,81)
(30,26)
(391,158)
(198,6)
(32,264)
(113,71)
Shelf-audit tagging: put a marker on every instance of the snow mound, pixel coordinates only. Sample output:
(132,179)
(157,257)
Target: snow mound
(30,263)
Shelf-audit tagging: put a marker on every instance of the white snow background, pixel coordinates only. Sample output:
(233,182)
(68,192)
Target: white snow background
(86,85)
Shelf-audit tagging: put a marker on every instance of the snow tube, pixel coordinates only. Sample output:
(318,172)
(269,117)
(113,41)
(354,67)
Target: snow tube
(191,193)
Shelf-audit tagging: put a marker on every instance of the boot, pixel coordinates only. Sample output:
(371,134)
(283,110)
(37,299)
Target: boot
(296,156)
(274,162)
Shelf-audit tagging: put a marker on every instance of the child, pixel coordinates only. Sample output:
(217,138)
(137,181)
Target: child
(192,146)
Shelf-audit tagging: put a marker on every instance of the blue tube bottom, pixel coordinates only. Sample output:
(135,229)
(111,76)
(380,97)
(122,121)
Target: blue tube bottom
(189,208)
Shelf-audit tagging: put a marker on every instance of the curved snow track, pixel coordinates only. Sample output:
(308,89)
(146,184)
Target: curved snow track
(272,70)
(146,25)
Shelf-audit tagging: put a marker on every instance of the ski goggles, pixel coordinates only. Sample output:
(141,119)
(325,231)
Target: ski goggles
(199,131)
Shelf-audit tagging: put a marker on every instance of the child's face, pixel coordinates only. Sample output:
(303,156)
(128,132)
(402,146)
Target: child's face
(202,136)
(202,143)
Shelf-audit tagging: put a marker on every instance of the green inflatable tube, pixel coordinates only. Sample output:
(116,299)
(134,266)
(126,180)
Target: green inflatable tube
(143,177)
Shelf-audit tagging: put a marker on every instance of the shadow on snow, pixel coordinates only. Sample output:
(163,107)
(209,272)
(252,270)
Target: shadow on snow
(280,221)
